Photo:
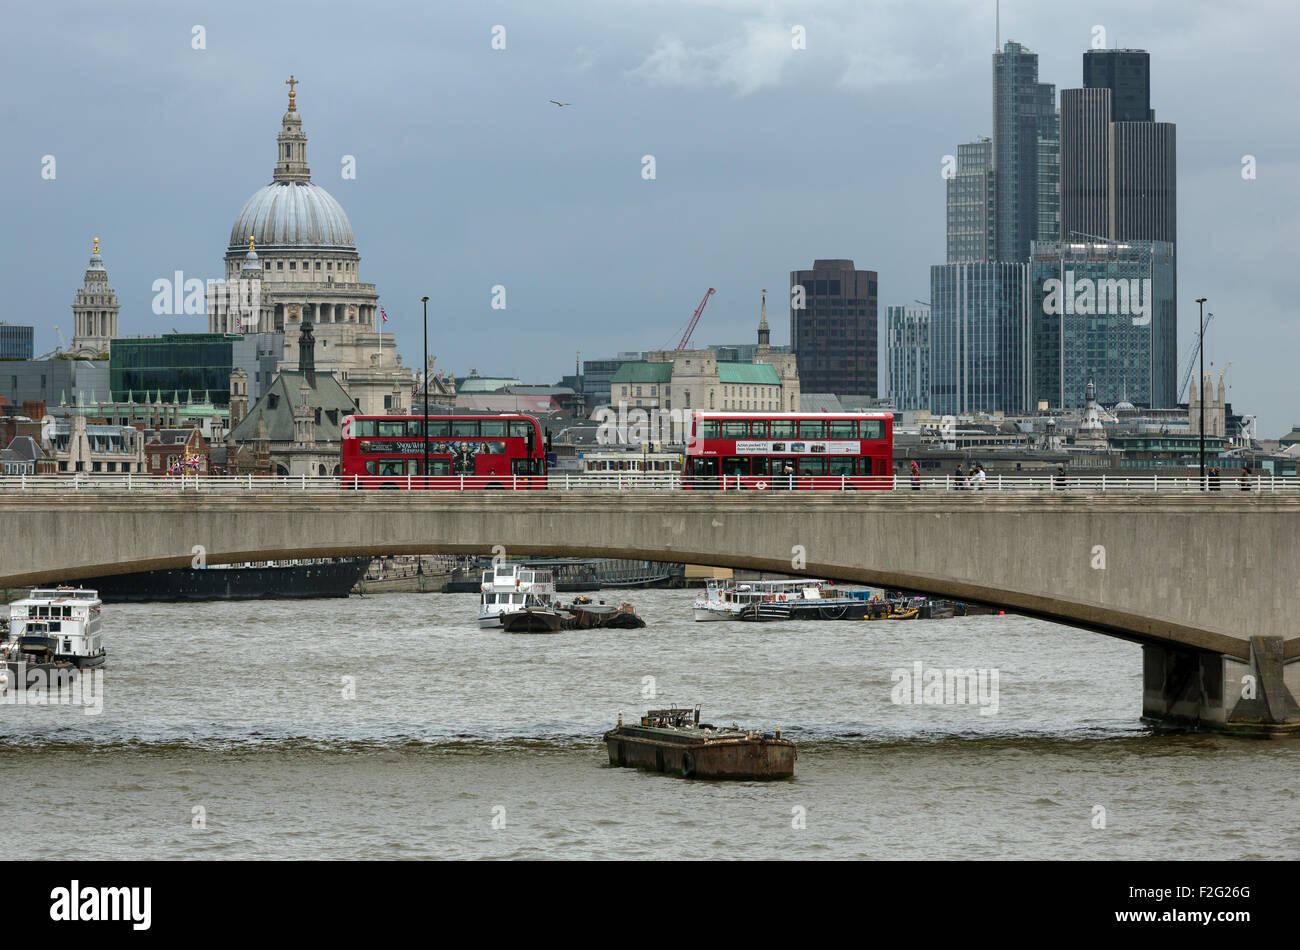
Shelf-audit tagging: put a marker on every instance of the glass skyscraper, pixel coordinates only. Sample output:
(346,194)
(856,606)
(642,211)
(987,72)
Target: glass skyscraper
(979,337)
(970,211)
(15,341)
(1026,137)
(1103,313)
(835,334)
(908,342)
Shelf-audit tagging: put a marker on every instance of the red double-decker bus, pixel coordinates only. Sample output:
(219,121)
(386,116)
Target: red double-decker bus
(774,450)
(470,451)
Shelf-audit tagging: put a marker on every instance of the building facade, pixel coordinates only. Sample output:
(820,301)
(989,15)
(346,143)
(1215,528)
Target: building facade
(16,342)
(970,203)
(907,332)
(979,329)
(1103,312)
(1026,131)
(835,333)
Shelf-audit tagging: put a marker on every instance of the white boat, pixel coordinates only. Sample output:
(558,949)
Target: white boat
(724,600)
(510,588)
(56,625)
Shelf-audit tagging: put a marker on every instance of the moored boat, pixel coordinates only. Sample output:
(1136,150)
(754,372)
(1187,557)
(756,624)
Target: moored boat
(52,633)
(510,588)
(674,740)
(532,620)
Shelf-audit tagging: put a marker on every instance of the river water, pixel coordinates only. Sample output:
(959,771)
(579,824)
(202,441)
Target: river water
(390,726)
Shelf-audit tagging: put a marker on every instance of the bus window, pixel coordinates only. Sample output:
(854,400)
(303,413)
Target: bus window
(392,428)
(439,428)
(392,466)
(812,429)
(526,466)
(439,466)
(810,465)
(464,428)
(370,466)
(758,465)
(733,465)
(493,428)
(873,429)
(865,466)
(735,429)
(365,428)
(842,429)
(842,464)
(783,429)
(758,429)
(414,428)
(704,466)
(708,428)
(520,429)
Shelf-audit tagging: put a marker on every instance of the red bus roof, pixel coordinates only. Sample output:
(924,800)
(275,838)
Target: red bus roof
(731,414)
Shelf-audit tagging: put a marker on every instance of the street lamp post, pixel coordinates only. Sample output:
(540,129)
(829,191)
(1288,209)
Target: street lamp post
(1201,388)
(424,382)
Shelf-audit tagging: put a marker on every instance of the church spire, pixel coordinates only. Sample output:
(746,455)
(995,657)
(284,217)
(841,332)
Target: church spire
(764,331)
(291,144)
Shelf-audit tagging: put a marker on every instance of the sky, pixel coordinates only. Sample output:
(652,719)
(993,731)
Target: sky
(765,158)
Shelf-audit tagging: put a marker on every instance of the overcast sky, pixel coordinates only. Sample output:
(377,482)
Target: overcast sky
(467,177)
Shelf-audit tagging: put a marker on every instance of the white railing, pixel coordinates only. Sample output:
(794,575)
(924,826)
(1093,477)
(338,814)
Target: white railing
(648,481)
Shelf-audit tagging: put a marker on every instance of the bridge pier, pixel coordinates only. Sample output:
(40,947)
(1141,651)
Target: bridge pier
(1222,693)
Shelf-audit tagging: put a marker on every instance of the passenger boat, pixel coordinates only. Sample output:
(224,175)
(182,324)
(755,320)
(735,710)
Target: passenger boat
(56,630)
(510,588)
(674,740)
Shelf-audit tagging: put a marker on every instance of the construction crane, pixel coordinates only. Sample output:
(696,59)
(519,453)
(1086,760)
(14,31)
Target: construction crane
(695,320)
(1191,358)
(63,345)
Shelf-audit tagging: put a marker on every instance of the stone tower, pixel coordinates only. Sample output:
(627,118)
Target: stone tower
(238,396)
(94,311)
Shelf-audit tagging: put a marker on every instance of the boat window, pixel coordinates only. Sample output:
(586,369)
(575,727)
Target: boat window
(492,428)
(840,464)
(708,428)
(812,429)
(56,625)
(464,428)
(735,429)
(873,429)
(842,429)
(783,428)
(439,428)
(812,465)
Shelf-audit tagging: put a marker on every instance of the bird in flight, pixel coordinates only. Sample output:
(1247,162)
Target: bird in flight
(561,104)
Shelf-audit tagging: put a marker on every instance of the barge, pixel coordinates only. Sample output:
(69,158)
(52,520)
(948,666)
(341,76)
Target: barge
(674,740)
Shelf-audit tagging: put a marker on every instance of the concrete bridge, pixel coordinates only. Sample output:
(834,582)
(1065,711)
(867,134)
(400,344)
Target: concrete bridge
(1206,582)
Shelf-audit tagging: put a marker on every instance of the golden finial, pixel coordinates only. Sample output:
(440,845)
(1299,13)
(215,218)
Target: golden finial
(95,249)
(291,82)
(250,242)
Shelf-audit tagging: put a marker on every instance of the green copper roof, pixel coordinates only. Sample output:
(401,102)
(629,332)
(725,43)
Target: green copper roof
(748,374)
(643,373)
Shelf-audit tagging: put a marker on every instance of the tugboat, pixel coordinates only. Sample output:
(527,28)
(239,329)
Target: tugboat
(674,740)
(55,631)
(511,588)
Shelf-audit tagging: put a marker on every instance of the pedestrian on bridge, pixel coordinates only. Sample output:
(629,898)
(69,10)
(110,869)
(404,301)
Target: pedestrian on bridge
(1245,478)
(916,477)
(1059,478)
(960,477)
(979,477)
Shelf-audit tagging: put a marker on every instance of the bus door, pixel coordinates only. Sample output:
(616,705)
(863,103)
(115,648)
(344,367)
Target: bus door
(759,476)
(703,472)
(735,471)
(784,472)
(840,471)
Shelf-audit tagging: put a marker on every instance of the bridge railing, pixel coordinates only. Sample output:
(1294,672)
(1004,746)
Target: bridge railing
(642,481)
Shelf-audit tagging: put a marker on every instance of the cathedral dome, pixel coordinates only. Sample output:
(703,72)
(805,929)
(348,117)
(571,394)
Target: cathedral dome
(293,214)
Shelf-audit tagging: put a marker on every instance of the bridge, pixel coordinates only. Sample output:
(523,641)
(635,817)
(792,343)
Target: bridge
(1204,581)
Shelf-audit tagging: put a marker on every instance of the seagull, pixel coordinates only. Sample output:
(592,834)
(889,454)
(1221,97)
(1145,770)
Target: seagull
(561,104)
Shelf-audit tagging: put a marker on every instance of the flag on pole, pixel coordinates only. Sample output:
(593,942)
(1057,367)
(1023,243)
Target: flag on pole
(383,313)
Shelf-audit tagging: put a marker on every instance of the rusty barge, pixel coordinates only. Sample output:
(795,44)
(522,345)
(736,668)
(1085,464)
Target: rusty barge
(674,740)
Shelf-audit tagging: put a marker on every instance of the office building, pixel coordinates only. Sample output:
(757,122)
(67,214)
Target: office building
(979,337)
(835,333)
(16,342)
(1026,134)
(970,210)
(907,334)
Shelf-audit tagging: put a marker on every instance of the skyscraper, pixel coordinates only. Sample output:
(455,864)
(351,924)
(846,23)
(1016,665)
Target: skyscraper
(1119,175)
(908,336)
(1127,74)
(970,212)
(979,337)
(835,333)
(1026,133)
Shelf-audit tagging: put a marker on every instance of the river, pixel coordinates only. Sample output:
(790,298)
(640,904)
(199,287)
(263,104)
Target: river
(390,726)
